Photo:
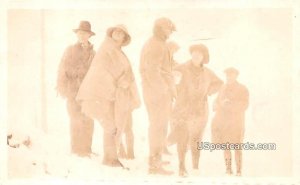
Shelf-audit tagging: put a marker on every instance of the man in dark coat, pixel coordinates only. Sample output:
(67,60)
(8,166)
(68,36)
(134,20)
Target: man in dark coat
(73,67)
(228,123)
(108,92)
(158,89)
(190,113)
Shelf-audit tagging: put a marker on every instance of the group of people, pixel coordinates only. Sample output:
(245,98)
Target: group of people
(101,86)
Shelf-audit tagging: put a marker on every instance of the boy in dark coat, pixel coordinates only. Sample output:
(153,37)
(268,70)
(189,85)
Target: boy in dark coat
(228,123)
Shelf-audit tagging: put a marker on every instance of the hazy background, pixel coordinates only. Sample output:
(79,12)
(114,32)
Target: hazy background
(258,42)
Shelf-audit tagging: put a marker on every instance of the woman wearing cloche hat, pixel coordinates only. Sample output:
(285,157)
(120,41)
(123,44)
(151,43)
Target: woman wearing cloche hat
(109,93)
(190,113)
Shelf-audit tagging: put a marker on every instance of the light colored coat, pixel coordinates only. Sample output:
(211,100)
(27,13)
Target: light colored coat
(110,77)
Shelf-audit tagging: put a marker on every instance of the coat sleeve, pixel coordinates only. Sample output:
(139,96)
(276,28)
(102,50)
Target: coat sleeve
(151,63)
(215,84)
(62,77)
(242,100)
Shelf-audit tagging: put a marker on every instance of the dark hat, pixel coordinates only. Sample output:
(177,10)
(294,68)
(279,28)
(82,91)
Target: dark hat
(164,23)
(84,26)
(124,29)
(203,49)
(231,70)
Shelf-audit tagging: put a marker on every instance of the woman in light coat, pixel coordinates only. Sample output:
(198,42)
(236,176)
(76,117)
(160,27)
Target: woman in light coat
(109,93)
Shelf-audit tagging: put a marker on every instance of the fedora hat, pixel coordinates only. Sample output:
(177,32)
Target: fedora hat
(84,26)
(124,29)
(203,49)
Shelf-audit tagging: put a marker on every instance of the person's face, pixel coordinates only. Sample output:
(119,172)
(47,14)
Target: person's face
(197,58)
(167,31)
(231,77)
(119,36)
(83,36)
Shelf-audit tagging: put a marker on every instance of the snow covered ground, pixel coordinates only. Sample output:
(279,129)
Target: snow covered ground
(49,157)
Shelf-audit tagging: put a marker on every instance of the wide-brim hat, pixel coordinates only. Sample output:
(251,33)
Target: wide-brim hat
(231,70)
(84,26)
(124,29)
(201,48)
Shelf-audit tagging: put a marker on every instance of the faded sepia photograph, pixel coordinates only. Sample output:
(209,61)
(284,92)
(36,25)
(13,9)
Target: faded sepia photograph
(149,93)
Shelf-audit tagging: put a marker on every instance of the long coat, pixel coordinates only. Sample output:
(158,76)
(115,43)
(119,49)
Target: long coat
(72,69)
(194,88)
(191,107)
(156,69)
(230,106)
(110,77)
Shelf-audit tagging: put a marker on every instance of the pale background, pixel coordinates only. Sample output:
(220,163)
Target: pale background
(257,41)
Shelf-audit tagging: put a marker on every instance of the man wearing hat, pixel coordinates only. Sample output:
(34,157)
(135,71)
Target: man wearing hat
(158,89)
(108,92)
(72,69)
(228,123)
(190,112)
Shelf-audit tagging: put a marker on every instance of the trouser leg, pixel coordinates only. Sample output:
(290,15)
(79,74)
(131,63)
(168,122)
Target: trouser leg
(129,139)
(196,133)
(75,123)
(87,134)
(182,144)
(158,113)
(106,119)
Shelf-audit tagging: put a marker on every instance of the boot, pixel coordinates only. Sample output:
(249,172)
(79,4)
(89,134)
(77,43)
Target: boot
(122,153)
(228,166)
(155,166)
(112,162)
(182,170)
(238,167)
(238,162)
